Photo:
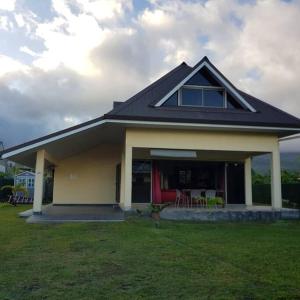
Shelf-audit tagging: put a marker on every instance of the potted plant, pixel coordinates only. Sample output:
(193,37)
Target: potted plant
(155,210)
(215,202)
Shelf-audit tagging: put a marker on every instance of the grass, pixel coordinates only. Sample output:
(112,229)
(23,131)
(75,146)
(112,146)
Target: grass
(136,260)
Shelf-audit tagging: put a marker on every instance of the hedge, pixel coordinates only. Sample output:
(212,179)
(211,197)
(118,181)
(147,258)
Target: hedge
(290,194)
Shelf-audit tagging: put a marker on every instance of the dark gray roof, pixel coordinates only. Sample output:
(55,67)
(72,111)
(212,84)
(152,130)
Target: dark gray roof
(141,106)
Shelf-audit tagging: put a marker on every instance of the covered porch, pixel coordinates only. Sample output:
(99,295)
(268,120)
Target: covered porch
(195,163)
(192,178)
(136,166)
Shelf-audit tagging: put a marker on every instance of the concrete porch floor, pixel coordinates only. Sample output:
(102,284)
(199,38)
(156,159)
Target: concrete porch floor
(112,213)
(75,213)
(230,213)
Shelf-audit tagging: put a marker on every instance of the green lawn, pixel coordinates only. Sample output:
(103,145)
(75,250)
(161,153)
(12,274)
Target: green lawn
(135,260)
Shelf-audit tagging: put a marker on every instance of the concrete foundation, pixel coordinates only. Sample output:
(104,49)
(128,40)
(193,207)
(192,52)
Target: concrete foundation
(232,214)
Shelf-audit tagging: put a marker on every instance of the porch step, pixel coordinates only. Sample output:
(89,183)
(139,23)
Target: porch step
(78,213)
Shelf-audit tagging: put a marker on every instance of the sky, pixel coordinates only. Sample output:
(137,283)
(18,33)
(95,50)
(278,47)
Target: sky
(63,62)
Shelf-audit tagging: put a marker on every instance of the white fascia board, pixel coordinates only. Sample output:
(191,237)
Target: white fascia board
(149,123)
(224,82)
(25,173)
(289,138)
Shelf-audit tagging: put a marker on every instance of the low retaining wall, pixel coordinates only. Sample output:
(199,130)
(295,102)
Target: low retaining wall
(194,214)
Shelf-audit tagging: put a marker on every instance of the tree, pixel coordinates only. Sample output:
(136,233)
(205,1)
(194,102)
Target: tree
(13,171)
(289,176)
(286,177)
(258,178)
(18,188)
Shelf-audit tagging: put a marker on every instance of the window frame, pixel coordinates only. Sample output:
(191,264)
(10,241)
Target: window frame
(202,88)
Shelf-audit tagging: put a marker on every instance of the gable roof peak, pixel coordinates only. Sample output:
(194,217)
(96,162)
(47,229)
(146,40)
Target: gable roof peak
(205,62)
(202,60)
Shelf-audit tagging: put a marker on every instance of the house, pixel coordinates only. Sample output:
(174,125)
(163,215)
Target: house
(2,166)
(26,178)
(192,130)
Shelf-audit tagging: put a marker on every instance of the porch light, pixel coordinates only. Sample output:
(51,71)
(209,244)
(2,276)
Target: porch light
(173,153)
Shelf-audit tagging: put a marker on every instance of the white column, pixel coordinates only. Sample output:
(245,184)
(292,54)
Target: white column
(276,179)
(122,193)
(39,182)
(248,181)
(126,178)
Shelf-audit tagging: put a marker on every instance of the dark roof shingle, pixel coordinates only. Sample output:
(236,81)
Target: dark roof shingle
(141,106)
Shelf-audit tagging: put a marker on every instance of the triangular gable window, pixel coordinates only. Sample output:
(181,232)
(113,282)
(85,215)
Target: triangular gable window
(205,87)
(203,78)
(203,90)
(172,101)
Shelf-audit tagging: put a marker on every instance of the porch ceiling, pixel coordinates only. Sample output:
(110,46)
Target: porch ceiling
(76,143)
(202,155)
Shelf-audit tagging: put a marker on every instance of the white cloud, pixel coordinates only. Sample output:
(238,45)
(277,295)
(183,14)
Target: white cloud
(68,39)
(9,65)
(27,50)
(156,18)
(8,5)
(19,20)
(105,9)
(4,23)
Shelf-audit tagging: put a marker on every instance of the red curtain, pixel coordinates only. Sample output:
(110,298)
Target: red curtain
(156,191)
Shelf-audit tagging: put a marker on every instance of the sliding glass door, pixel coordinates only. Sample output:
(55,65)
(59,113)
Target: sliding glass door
(141,181)
(235,183)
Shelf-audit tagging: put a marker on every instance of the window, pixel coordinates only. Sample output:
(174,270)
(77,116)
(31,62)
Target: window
(213,98)
(184,177)
(21,181)
(203,78)
(191,97)
(202,96)
(30,182)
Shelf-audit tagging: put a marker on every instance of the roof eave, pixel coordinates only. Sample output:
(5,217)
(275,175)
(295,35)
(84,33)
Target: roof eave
(36,144)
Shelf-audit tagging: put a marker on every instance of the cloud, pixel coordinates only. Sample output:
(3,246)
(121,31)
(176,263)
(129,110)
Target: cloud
(20,20)
(93,52)
(7,5)
(9,65)
(28,51)
(4,23)
(106,9)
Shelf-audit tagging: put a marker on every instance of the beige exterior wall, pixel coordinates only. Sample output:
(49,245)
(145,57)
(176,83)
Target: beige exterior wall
(200,140)
(87,178)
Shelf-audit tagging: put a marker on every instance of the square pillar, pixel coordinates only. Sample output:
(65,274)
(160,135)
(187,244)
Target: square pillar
(122,194)
(126,178)
(276,179)
(39,182)
(248,181)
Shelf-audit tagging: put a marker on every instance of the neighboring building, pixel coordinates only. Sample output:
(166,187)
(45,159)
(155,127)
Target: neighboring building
(190,130)
(2,167)
(26,179)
